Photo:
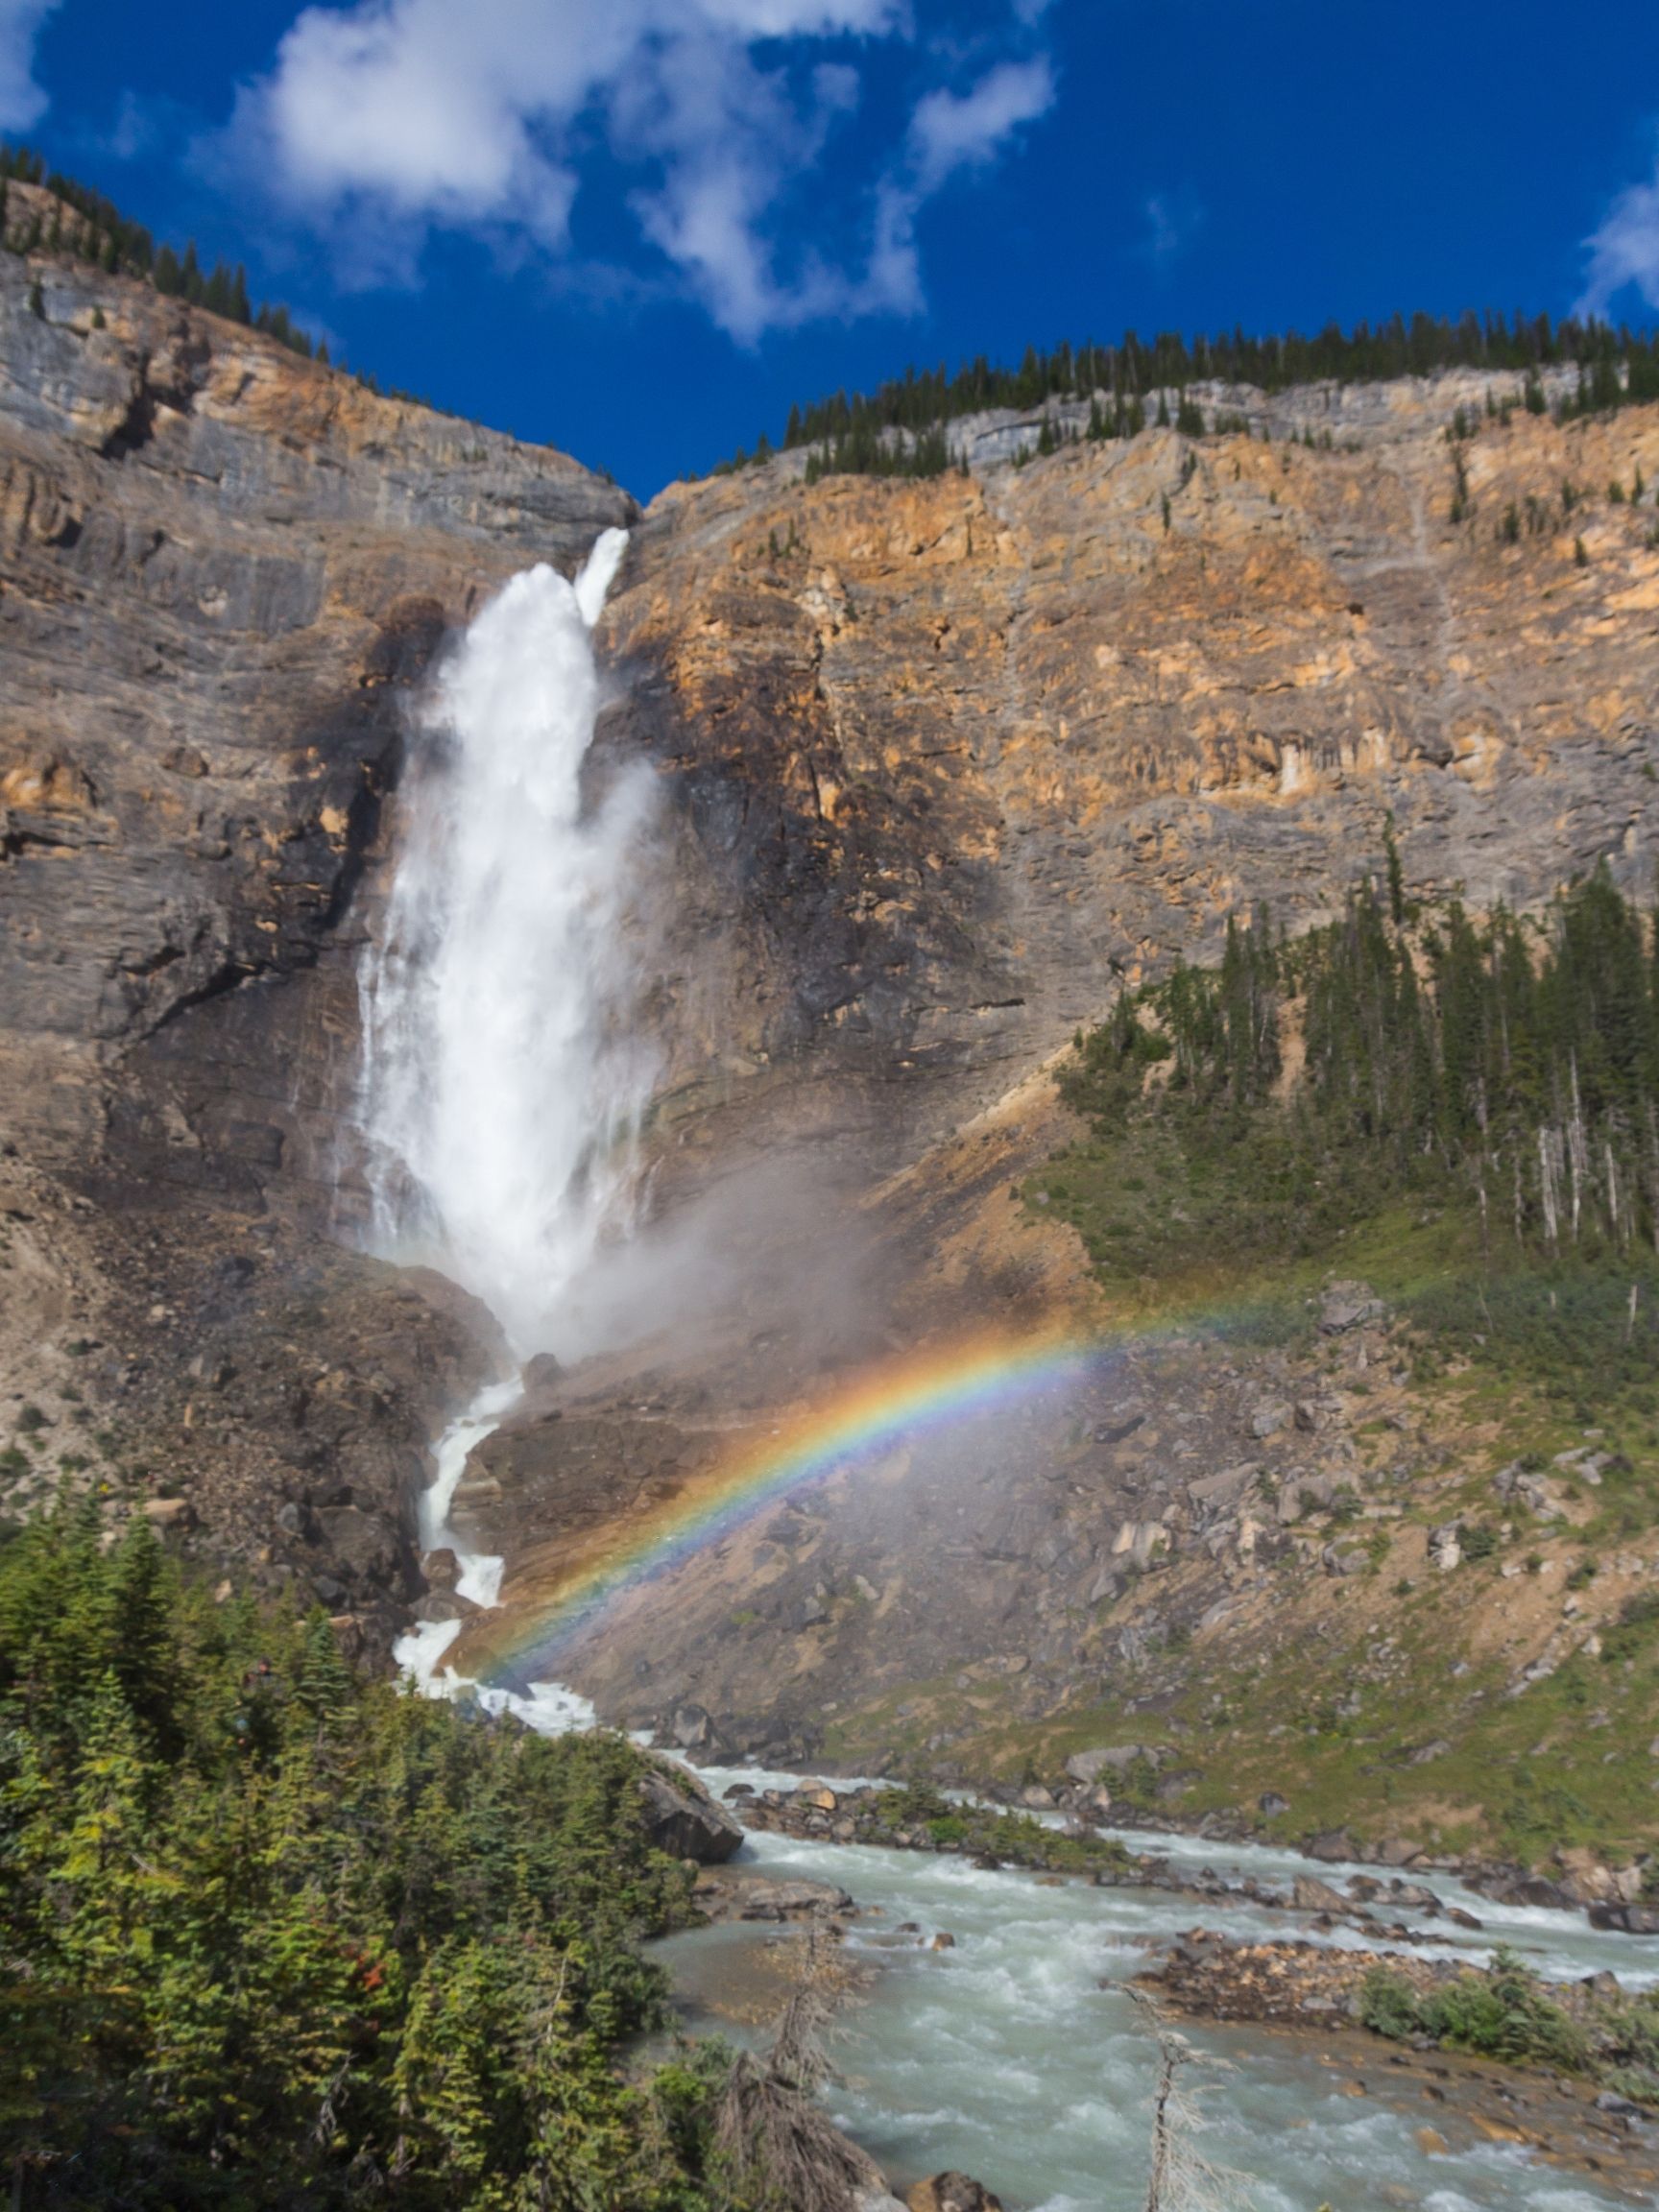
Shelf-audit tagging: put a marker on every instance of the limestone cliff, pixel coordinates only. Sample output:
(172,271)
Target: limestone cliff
(940,763)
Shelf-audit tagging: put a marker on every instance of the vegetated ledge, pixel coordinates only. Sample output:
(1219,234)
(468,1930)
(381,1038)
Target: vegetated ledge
(916,1817)
(998,1827)
(1590,2049)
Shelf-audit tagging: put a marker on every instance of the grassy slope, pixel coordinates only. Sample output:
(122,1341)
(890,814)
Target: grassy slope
(1295,1696)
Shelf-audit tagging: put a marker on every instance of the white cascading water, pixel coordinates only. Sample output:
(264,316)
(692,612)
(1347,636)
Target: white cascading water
(502,1083)
(501,1088)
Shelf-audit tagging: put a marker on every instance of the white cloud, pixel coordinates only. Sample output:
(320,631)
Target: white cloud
(21,100)
(950,131)
(1173,220)
(1624,252)
(409,116)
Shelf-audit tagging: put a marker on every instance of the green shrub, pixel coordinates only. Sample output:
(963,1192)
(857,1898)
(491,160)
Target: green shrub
(275,1933)
(1501,2014)
(1388,2004)
(1635,1629)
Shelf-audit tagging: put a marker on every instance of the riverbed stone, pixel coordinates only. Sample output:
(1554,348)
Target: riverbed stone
(951,2193)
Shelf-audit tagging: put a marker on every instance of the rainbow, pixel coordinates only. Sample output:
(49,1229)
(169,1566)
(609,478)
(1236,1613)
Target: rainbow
(875,1412)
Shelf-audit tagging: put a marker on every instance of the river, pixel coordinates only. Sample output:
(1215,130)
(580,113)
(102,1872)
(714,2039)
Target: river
(1017,2054)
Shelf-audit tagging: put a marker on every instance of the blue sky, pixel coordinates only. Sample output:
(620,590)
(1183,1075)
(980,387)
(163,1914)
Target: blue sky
(639,229)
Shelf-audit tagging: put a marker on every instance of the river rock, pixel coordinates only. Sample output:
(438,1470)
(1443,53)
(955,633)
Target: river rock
(1309,1894)
(951,2193)
(681,1819)
(1626,1919)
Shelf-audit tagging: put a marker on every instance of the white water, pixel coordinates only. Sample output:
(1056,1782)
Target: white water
(1019,2056)
(501,1087)
(502,1081)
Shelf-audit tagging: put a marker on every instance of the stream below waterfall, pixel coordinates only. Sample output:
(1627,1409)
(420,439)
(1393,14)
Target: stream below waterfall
(1017,2055)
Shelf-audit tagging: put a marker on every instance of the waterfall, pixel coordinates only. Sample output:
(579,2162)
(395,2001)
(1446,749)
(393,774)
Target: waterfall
(501,1082)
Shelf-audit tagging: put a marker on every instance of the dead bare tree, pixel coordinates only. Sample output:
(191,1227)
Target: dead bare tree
(780,2144)
(1181,2179)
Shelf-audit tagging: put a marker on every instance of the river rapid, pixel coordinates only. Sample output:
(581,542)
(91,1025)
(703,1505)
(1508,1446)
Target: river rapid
(1018,2055)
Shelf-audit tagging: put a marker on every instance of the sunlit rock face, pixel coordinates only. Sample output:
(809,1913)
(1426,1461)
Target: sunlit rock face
(956,754)
(935,765)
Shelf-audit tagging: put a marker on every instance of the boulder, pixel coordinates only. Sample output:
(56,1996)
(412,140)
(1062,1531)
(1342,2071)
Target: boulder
(1266,1420)
(348,1632)
(175,1513)
(442,1569)
(1527,1889)
(1397,1851)
(691,1729)
(445,1606)
(1111,1757)
(952,2193)
(1331,1844)
(765,1900)
(362,1543)
(1445,1547)
(1348,1306)
(1626,1919)
(681,1819)
(1309,1894)
(1217,1494)
(1588,1881)
(1272,1804)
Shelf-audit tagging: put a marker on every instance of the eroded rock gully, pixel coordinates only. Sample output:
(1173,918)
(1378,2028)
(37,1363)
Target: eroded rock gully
(939,763)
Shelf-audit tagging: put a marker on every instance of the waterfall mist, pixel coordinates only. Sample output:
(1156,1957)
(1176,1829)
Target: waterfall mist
(502,1078)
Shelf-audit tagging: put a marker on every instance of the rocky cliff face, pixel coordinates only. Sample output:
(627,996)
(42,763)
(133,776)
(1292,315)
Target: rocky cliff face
(940,763)
(222,572)
(953,756)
